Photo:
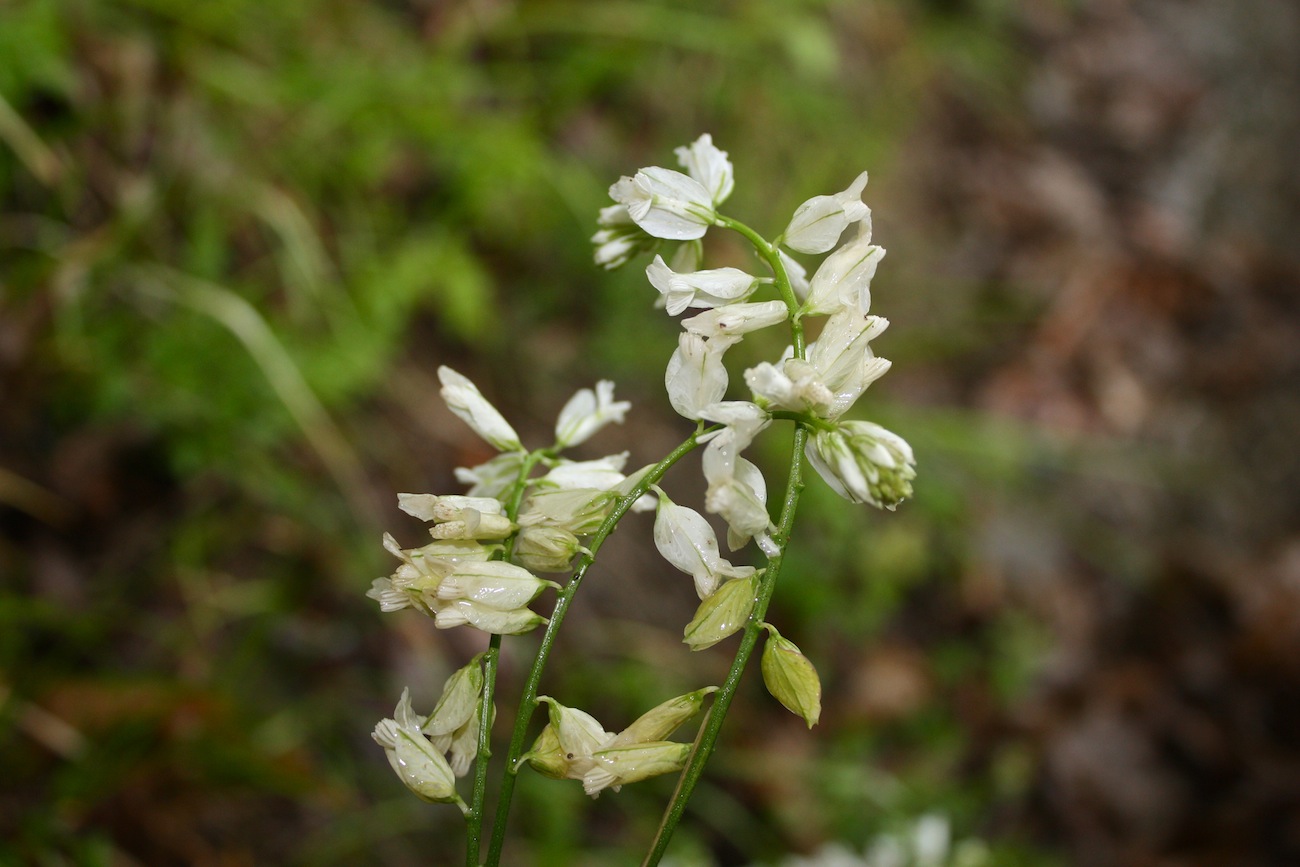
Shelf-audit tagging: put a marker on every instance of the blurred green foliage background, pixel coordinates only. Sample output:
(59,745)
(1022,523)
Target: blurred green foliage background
(237,238)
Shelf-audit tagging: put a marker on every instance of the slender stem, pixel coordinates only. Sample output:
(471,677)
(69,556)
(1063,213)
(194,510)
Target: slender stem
(712,726)
(528,701)
(491,664)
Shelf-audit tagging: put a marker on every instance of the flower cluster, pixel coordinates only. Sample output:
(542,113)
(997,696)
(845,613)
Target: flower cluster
(861,462)
(532,512)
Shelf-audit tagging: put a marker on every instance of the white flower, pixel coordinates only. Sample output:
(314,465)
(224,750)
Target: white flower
(619,239)
(709,288)
(864,463)
(665,203)
(696,376)
(844,278)
(686,540)
(416,761)
(818,223)
(737,490)
(708,165)
(603,474)
(464,399)
(844,360)
(515,621)
(494,583)
(737,318)
(839,367)
(494,477)
(587,412)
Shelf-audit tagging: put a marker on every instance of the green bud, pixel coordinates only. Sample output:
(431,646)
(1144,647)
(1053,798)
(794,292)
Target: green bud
(617,766)
(547,756)
(460,698)
(723,613)
(578,510)
(546,549)
(659,722)
(791,678)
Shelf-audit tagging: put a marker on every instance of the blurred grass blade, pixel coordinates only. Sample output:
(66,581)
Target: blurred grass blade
(279,368)
(34,153)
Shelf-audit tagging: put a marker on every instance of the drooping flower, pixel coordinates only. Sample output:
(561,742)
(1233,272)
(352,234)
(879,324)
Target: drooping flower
(416,761)
(494,477)
(696,377)
(603,474)
(686,540)
(737,319)
(464,399)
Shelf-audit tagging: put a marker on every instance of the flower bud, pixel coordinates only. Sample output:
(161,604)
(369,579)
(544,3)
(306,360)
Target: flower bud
(464,399)
(864,463)
(579,510)
(615,767)
(791,678)
(546,549)
(662,720)
(722,613)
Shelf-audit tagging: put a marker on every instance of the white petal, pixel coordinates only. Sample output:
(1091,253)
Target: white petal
(737,318)
(707,164)
(696,376)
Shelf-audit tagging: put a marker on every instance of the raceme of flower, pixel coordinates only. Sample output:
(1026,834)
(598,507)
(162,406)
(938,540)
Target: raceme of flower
(536,511)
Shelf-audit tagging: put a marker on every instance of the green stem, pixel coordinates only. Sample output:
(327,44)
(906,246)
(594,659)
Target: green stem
(712,726)
(769,254)
(491,660)
(749,639)
(528,701)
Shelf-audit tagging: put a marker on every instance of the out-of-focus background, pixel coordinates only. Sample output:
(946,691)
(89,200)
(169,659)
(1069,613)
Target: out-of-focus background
(237,238)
